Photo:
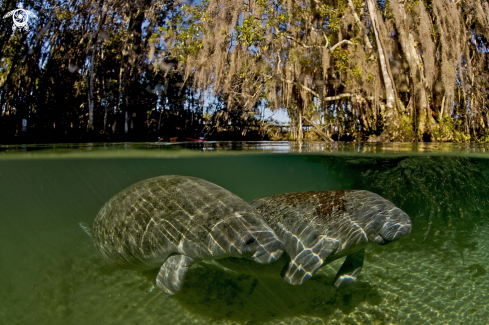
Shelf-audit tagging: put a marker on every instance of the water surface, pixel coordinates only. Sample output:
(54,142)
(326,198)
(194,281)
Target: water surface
(51,273)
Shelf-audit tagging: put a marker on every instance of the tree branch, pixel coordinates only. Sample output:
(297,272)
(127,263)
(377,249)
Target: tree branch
(310,46)
(360,24)
(318,129)
(304,87)
(303,44)
(324,99)
(339,44)
(331,98)
(327,43)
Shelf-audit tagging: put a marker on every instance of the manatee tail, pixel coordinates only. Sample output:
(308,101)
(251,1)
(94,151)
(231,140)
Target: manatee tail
(86,228)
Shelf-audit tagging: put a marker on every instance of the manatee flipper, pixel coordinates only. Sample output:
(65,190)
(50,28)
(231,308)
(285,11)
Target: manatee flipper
(308,260)
(172,273)
(86,228)
(350,269)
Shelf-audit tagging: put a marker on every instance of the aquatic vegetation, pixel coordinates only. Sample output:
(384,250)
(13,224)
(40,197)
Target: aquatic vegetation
(446,197)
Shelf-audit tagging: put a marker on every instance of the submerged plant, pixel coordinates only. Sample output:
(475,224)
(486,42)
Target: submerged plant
(446,197)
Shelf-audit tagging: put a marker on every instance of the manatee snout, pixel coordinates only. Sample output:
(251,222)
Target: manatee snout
(398,225)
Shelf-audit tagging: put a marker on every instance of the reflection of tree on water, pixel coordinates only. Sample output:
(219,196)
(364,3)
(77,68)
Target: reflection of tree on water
(446,197)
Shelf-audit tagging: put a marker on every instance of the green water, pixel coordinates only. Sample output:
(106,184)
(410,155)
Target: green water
(51,274)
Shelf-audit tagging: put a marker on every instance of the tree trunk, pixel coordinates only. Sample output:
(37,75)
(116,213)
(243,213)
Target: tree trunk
(126,118)
(391,116)
(132,60)
(359,23)
(414,61)
(299,131)
(91,96)
(105,105)
(159,104)
(119,102)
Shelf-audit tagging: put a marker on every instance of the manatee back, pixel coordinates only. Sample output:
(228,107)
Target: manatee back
(320,227)
(144,224)
(352,218)
(315,227)
(291,214)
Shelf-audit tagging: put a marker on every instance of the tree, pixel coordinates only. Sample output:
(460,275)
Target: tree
(377,70)
(393,67)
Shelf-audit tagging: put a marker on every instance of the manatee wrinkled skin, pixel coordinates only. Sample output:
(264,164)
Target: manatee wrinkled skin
(320,227)
(172,222)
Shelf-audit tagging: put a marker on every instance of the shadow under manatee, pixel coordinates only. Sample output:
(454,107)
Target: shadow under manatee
(210,291)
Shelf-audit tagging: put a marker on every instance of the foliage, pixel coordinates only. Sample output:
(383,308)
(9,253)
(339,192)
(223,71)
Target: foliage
(250,32)
(289,54)
(342,59)
(115,68)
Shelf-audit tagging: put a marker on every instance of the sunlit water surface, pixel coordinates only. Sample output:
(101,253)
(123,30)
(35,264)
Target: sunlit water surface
(51,274)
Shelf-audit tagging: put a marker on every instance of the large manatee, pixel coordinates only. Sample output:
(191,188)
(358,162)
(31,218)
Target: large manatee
(320,227)
(172,222)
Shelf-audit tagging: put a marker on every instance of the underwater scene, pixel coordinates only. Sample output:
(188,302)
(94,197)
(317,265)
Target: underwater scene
(51,273)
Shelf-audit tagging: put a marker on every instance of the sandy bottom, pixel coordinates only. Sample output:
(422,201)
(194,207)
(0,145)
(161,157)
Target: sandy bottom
(75,286)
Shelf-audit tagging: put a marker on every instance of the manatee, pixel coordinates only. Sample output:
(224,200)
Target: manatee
(320,227)
(172,222)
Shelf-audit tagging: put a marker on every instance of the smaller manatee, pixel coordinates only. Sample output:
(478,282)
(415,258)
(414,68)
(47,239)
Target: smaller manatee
(172,222)
(320,227)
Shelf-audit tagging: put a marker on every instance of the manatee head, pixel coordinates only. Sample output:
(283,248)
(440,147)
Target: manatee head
(266,246)
(381,220)
(396,226)
(248,236)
